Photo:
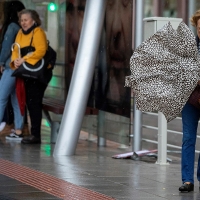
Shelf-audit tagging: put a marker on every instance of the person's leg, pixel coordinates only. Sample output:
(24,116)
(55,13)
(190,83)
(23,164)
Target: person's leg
(5,117)
(190,117)
(9,112)
(34,95)
(198,170)
(18,118)
(16,134)
(5,112)
(7,84)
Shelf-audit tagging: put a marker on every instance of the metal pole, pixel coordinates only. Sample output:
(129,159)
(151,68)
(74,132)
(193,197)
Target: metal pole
(137,120)
(82,78)
(182,10)
(101,140)
(191,10)
(162,140)
(158,9)
(102,63)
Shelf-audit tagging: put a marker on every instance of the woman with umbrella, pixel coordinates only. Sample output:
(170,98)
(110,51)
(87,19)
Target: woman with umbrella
(9,31)
(190,118)
(165,70)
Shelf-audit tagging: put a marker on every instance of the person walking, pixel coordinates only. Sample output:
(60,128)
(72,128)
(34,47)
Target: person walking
(9,31)
(31,33)
(190,118)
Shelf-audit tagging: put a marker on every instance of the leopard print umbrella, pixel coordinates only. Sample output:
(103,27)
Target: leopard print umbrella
(165,69)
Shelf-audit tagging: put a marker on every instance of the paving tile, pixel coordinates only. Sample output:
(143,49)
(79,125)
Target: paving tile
(4,197)
(92,169)
(32,196)
(11,189)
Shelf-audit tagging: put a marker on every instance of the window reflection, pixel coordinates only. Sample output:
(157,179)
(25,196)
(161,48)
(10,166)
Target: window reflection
(118,32)
(74,19)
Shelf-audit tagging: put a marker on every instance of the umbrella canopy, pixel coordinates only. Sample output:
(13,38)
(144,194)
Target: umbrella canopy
(165,69)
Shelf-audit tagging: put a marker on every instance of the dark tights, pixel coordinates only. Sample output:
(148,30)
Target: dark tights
(34,95)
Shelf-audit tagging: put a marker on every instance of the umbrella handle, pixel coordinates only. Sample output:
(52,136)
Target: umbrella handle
(12,48)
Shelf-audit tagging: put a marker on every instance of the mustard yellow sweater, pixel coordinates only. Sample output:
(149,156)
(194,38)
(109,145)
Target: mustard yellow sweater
(39,42)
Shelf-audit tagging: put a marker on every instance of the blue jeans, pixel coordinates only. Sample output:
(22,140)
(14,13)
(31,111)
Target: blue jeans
(190,118)
(7,88)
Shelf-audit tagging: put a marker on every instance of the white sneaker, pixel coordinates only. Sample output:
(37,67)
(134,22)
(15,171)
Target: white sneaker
(2,126)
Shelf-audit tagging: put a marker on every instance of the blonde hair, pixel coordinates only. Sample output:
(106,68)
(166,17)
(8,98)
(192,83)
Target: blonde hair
(194,19)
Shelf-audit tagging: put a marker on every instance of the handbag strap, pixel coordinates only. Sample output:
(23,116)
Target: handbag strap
(31,38)
(27,49)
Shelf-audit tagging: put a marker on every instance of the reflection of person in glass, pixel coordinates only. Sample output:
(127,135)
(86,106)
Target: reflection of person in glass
(74,19)
(118,39)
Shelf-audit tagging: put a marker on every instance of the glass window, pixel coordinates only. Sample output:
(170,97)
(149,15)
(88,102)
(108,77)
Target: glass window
(170,8)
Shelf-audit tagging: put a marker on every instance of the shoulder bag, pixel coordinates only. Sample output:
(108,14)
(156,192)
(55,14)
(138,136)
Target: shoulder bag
(42,70)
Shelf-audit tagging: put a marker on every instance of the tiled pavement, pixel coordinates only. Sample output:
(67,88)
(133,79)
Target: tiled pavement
(31,172)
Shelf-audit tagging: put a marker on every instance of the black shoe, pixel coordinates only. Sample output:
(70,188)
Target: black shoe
(31,139)
(186,187)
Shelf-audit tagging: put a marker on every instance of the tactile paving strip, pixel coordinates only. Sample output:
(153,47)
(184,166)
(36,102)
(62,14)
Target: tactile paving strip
(48,183)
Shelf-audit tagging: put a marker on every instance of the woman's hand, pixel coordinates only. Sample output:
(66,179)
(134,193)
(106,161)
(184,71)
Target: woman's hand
(18,62)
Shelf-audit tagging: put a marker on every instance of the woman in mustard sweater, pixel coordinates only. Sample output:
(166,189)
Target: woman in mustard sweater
(31,33)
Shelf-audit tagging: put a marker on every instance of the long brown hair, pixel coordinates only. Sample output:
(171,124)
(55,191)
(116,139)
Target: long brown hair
(10,13)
